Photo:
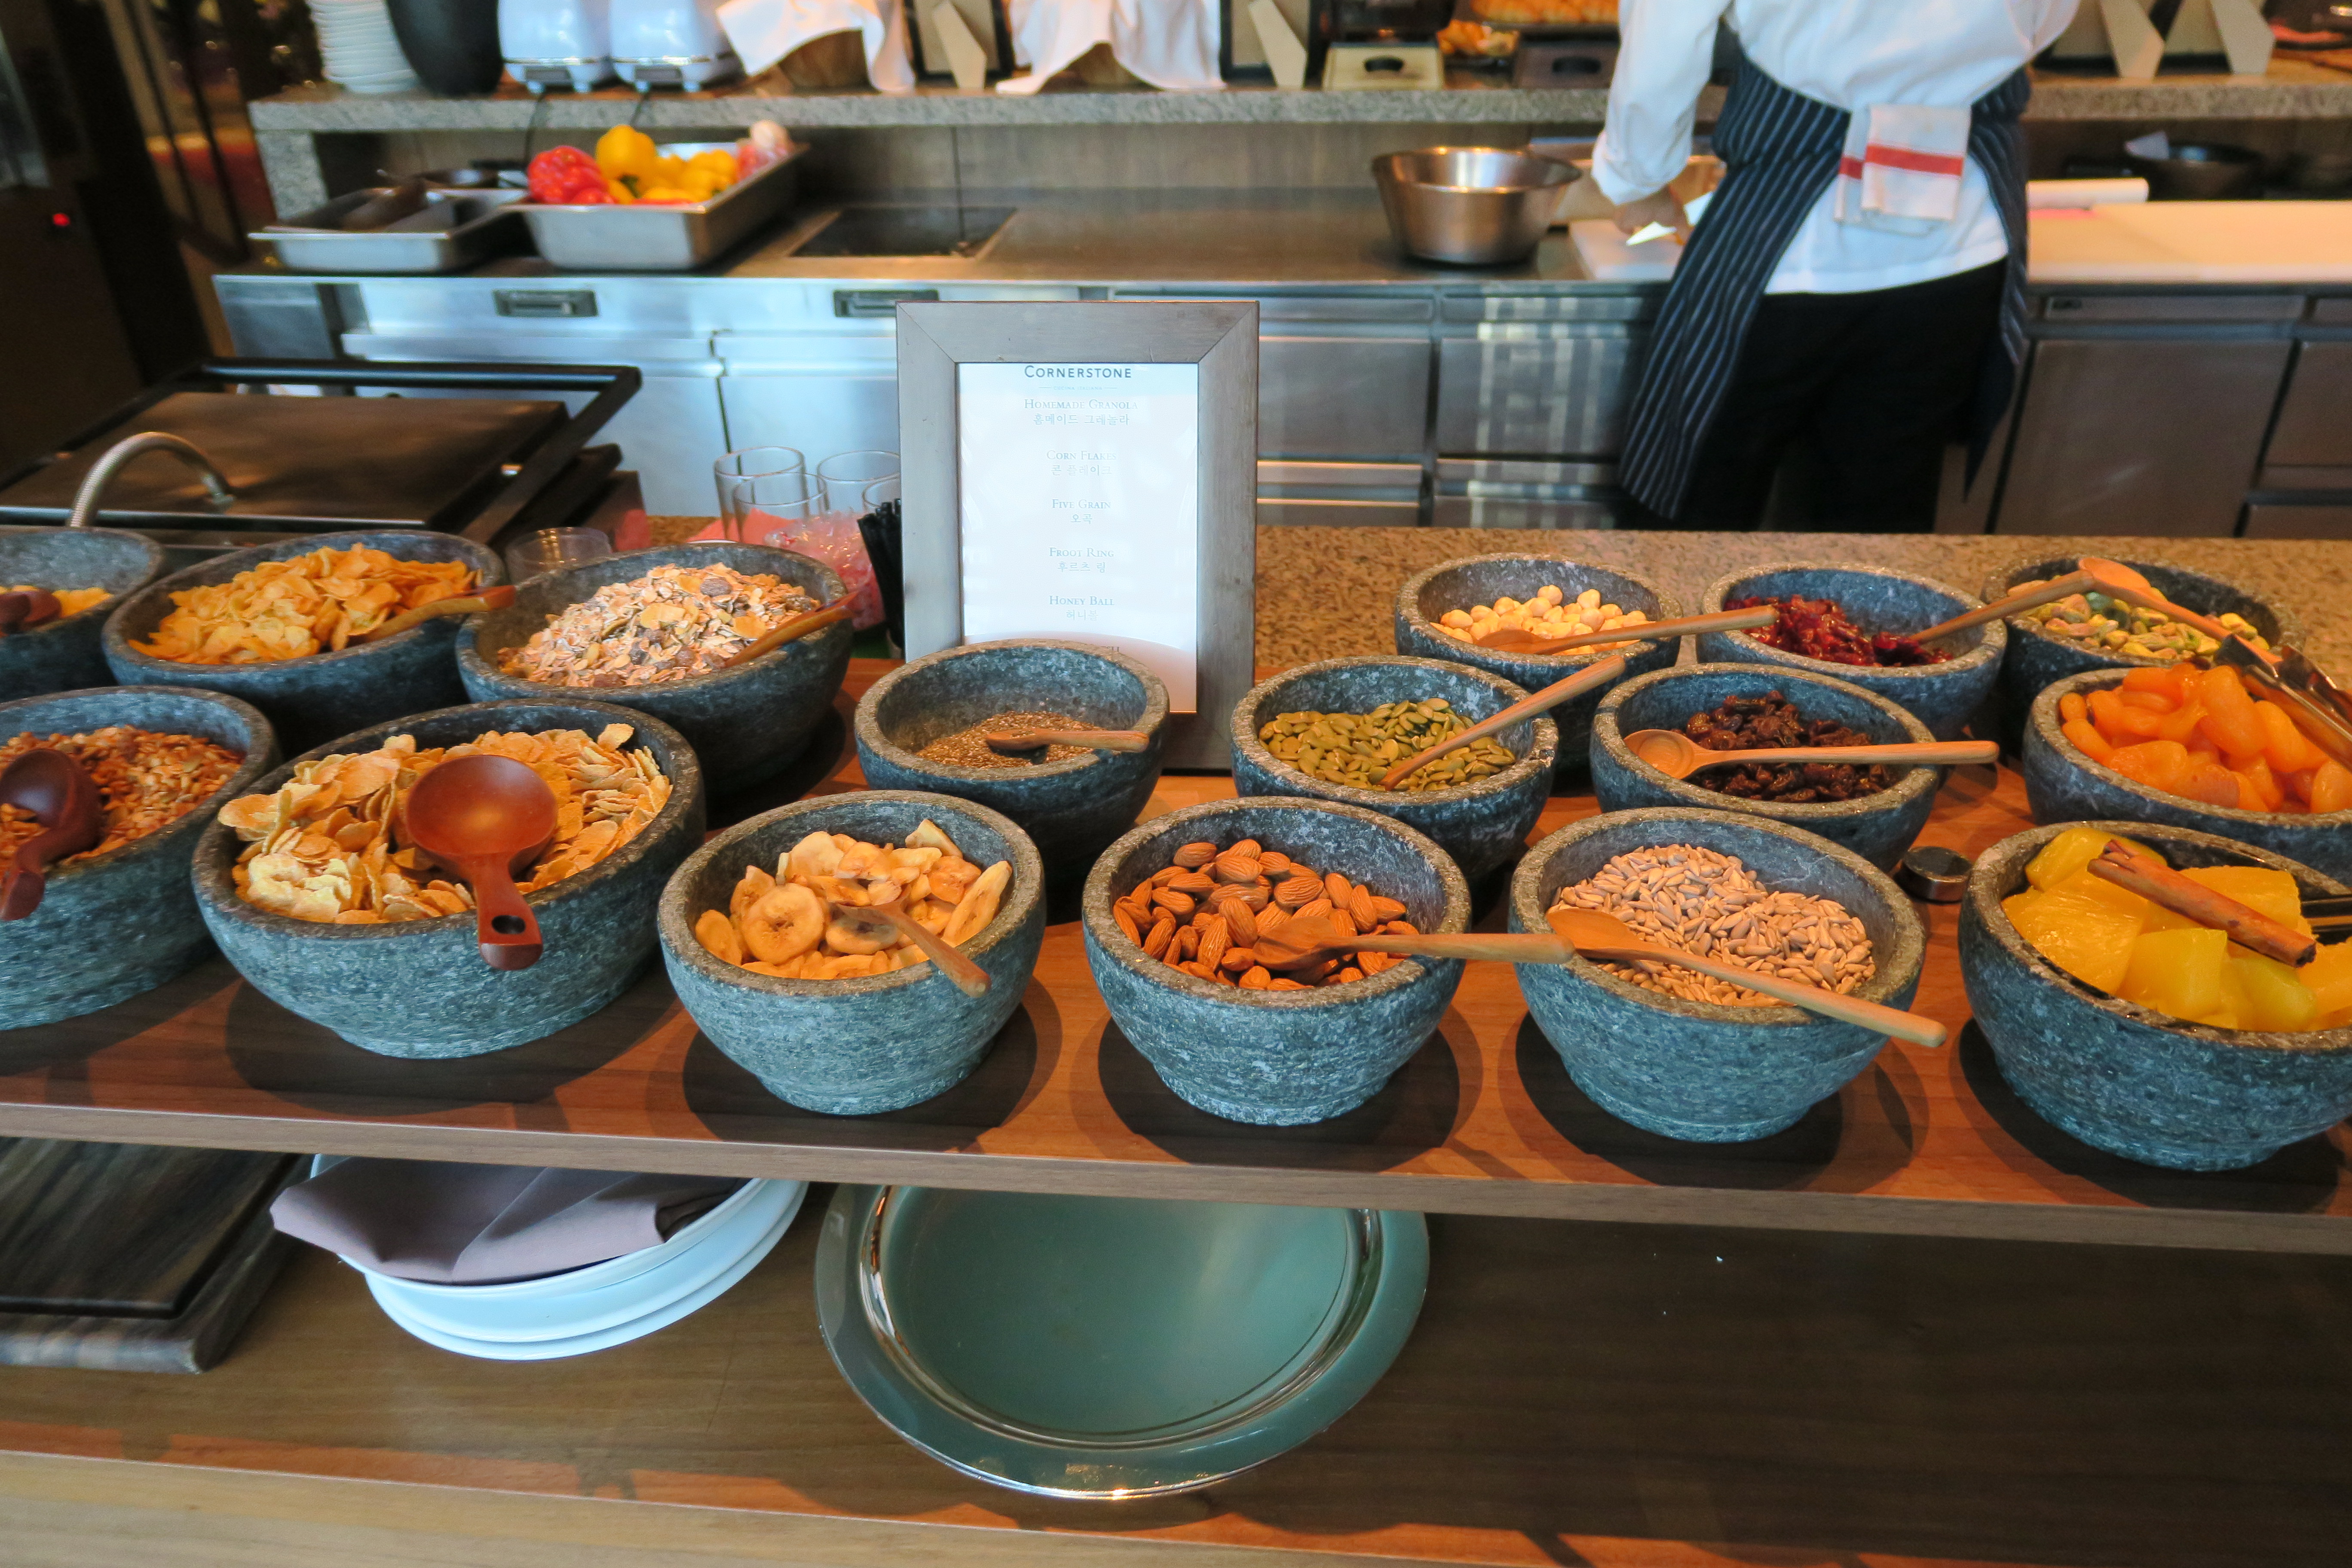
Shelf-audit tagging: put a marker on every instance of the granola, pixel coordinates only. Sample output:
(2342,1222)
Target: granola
(148,781)
(673,623)
(299,606)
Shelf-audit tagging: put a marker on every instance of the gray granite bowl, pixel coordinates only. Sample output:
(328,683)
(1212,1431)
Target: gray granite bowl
(1481,825)
(328,694)
(746,724)
(1279,1058)
(853,1047)
(125,921)
(2126,1080)
(1069,809)
(66,653)
(2036,658)
(1878,828)
(1943,697)
(2063,785)
(1426,596)
(419,988)
(1698,1070)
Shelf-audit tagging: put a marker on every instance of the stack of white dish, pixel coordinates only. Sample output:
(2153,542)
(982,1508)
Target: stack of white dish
(357,45)
(605,1304)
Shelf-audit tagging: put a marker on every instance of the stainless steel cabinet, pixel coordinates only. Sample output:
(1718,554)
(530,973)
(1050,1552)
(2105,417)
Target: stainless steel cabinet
(2315,420)
(1537,377)
(820,393)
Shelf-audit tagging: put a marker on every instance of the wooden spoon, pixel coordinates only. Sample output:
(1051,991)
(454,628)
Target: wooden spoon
(1510,640)
(2152,879)
(792,630)
(1678,756)
(1013,742)
(2117,581)
(497,598)
(1596,935)
(873,921)
(54,788)
(26,607)
(2048,592)
(1544,702)
(1302,944)
(484,819)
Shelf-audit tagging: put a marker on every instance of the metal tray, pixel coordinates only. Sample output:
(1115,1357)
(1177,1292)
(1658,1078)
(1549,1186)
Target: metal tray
(664,238)
(479,224)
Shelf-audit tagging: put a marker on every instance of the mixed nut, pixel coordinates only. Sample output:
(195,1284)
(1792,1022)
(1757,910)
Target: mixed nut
(147,781)
(1550,613)
(670,624)
(300,605)
(1204,913)
(2097,621)
(1356,748)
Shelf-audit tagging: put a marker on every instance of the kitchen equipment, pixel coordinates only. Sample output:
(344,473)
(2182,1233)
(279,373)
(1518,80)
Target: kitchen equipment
(880,922)
(557,43)
(842,478)
(1356,68)
(451,45)
(670,43)
(1013,743)
(359,47)
(2200,172)
(1378,42)
(484,819)
(1473,207)
(786,496)
(1933,874)
(1568,62)
(792,630)
(60,796)
(452,229)
(1592,677)
(750,463)
(666,238)
(1678,756)
(497,598)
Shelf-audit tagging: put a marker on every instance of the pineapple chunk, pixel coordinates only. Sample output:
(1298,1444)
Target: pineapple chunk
(2274,893)
(2329,977)
(2179,972)
(2274,998)
(2089,935)
(2070,852)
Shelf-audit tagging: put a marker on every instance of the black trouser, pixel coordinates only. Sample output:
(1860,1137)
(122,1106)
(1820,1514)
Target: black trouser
(1864,389)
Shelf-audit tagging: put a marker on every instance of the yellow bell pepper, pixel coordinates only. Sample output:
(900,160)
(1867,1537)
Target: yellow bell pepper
(717,162)
(623,151)
(622,191)
(670,169)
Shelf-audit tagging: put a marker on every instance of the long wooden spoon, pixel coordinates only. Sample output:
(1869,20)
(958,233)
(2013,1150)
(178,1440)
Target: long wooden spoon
(1013,742)
(2152,879)
(2117,581)
(497,598)
(872,920)
(1303,943)
(1678,756)
(25,607)
(54,788)
(1510,640)
(2048,592)
(792,630)
(486,818)
(1609,670)
(1596,935)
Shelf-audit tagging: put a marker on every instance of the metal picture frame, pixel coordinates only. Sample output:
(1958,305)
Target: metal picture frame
(1220,337)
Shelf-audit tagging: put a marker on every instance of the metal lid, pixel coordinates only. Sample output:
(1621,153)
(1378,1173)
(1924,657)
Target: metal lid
(1933,874)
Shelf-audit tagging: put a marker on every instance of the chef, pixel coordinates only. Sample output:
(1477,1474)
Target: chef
(1857,287)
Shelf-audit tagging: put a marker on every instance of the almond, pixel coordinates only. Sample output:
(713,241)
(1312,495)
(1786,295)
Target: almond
(1283,983)
(1232,866)
(1249,847)
(1213,942)
(1346,975)
(1256,895)
(1165,875)
(1188,942)
(1194,855)
(1256,979)
(1359,907)
(1401,927)
(1343,923)
(1271,920)
(1241,921)
(1274,863)
(1298,891)
(1237,959)
(1199,971)
(1337,887)
(1162,931)
(1174,903)
(1387,908)
(1373,962)
(1126,922)
(1193,883)
(1319,909)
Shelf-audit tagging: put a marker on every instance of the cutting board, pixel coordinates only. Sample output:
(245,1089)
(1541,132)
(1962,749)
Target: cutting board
(1607,258)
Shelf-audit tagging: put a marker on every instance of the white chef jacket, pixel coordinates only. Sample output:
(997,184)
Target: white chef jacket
(1850,53)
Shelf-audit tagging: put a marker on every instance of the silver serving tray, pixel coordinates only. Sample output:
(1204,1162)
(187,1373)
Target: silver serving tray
(602,239)
(451,238)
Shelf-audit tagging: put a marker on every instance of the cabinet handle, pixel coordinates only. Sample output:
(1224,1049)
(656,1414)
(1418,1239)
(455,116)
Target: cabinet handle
(871,302)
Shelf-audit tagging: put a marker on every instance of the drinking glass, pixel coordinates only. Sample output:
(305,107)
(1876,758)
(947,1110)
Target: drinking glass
(752,462)
(752,503)
(873,495)
(548,548)
(842,478)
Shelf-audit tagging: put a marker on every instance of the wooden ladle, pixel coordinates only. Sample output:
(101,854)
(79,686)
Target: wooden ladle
(794,629)
(1510,640)
(23,608)
(1609,670)
(2048,592)
(54,788)
(1678,756)
(484,819)
(497,598)
(873,921)
(1013,742)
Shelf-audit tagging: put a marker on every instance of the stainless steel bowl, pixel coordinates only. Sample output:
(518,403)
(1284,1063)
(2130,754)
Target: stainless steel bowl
(1473,207)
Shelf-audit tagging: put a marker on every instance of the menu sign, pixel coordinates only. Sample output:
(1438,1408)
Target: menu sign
(1081,510)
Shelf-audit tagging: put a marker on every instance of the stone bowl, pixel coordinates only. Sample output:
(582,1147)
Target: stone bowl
(2063,785)
(2036,658)
(2125,1078)
(1426,596)
(328,694)
(748,723)
(1878,828)
(125,921)
(419,988)
(65,655)
(1943,697)
(1481,825)
(1698,1070)
(1279,1058)
(1069,809)
(854,1047)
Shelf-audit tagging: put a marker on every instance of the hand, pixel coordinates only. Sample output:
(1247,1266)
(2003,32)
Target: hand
(1660,207)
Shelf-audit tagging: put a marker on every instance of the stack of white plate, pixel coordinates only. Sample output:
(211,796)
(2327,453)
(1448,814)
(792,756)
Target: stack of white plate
(357,45)
(605,1304)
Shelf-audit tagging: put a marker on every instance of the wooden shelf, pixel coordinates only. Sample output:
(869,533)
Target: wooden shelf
(1483,1120)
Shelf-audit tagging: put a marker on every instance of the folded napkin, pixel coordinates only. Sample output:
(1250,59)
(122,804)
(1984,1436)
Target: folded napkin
(1902,167)
(1171,43)
(765,31)
(487,1225)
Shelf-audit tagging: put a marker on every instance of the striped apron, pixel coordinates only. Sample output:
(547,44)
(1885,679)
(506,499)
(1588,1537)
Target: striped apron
(1781,149)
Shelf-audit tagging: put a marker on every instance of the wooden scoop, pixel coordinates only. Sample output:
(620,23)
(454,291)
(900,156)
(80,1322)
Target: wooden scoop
(1509,640)
(1678,756)
(484,819)
(1595,935)
(53,787)
(1013,742)
(497,598)
(1544,702)
(1303,943)
(2117,581)
(792,630)
(2048,592)
(2152,879)
(872,921)
(26,607)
